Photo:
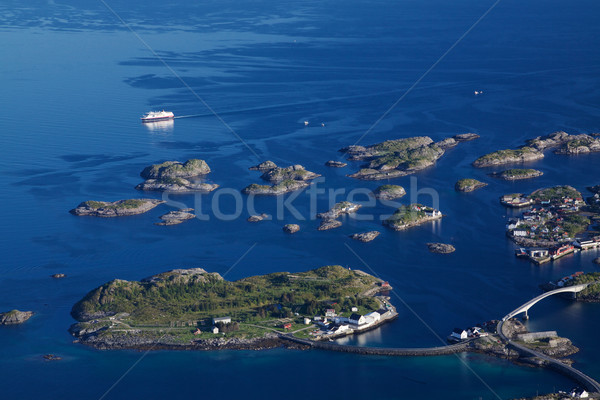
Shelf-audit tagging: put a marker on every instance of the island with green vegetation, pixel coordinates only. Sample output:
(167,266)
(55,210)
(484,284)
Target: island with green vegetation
(395,158)
(500,157)
(195,309)
(282,180)
(174,176)
(566,143)
(118,208)
(555,220)
(389,192)
(590,294)
(14,317)
(411,215)
(468,185)
(517,174)
(533,149)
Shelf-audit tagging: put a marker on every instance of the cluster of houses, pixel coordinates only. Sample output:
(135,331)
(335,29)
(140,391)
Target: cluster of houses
(563,281)
(545,222)
(214,329)
(459,334)
(429,211)
(334,325)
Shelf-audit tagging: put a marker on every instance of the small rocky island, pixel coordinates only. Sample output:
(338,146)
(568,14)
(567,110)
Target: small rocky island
(176,217)
(411,215)
(14,317)
(282,180)
(291,228)
(395,158)
(389,192)
(196,310)
(118,208)
(500,157)
(174,176)
(441,248)
(329,218)
(335,164)
(468,185)
(365,237)
(517,174)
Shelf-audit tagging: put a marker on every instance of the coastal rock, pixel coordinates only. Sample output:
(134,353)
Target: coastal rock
(464,137)
(569,144)
(51,357)
(327,224)
(335,164)
(394,158)
(389,192)
(256,218)
(517,174)
(441,248)
(175,185)
(579,144)
(58,276)
(447,143)
(175,169)
(14,317)
(500,157)
(365,236)
(594,189)
(264,166)
(468,185)
(291,228)
(343,207)
(118,208)
(293,172)
(176,217)
(277,189)
(596,260)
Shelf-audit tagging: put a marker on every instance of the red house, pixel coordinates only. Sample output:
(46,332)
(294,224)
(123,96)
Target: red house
(287,326)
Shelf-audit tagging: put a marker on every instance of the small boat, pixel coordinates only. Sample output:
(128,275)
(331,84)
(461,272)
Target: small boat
(154,116)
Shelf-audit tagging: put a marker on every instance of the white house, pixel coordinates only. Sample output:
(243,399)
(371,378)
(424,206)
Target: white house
(459,334)
(223,320)
(215,330)
(357,319)
(433,213)
(330,312)
(374,315)
(519,232)
(307,321)
(354,309)
(340,320)
(580,394)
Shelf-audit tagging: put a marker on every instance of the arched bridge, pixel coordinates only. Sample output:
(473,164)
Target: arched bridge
(525,307)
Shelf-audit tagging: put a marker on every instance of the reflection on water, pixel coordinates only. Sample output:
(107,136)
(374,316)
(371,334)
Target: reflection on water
(160,127)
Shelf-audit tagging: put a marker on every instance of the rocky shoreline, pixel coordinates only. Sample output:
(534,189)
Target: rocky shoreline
(126,341)
(118,208)
(517,174)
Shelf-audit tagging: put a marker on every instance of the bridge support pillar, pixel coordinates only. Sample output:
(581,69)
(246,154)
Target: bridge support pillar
(526,316)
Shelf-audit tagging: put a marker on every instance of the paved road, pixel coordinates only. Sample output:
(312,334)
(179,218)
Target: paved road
(589,383)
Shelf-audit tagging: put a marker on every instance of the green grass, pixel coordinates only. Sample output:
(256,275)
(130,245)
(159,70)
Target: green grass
(467,182)
(132,203)
(197,297)
(506,154)
(517,172)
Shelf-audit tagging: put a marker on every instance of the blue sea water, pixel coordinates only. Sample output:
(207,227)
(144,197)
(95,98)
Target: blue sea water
(76,76)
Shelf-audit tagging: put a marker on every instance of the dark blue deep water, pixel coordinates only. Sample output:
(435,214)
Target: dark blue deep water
(75,80)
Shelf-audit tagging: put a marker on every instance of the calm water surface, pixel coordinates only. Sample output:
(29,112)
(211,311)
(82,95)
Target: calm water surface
(75,81)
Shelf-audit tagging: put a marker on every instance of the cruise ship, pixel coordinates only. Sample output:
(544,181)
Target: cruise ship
(154,116)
